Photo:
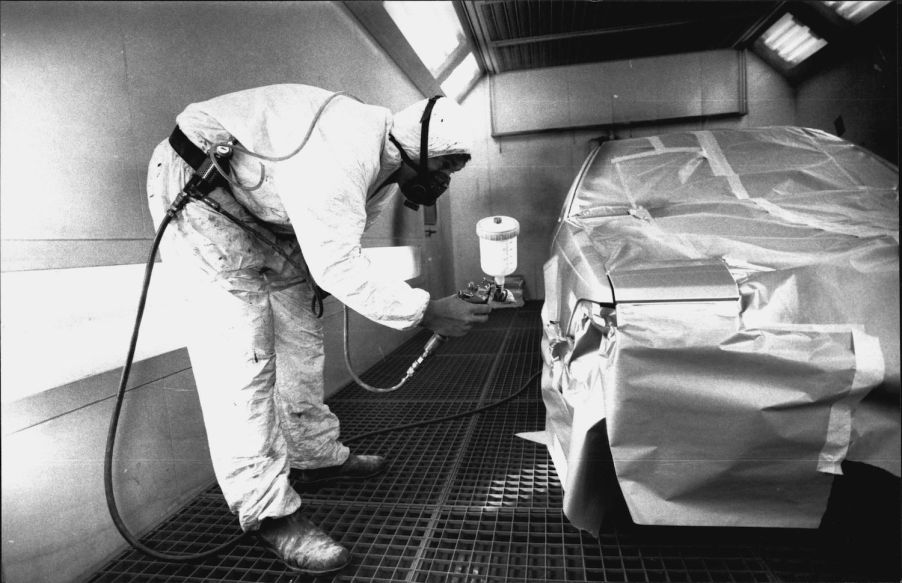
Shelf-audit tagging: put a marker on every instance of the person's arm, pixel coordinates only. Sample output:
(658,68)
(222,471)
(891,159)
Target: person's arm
(329,221)
(328,217)
(451,316)
(323,190)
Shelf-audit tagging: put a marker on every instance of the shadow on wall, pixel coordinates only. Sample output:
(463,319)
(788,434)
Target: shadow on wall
(854,92)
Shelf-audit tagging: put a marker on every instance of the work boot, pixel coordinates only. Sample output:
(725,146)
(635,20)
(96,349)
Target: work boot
(302,545)
(357,467)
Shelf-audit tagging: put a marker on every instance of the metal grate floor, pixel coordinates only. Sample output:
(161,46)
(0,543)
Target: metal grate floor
(468,501)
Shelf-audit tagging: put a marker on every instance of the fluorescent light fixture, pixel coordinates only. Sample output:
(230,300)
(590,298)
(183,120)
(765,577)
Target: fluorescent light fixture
(431,28)
(792,41)
(461,78)
(855,11)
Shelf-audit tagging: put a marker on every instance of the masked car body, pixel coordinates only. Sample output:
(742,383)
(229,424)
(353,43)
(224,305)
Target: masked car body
(722,323)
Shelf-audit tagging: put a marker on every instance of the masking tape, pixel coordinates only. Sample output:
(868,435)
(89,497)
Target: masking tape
(800,219)
(719,164)
(656,152)
(869,372)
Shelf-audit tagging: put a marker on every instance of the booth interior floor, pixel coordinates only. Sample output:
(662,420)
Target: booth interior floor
(469,501)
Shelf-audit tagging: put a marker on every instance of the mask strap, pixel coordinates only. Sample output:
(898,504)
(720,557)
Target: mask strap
(424,133)
(404,155)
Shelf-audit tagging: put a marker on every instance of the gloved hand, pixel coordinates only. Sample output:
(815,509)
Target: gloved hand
(451,316)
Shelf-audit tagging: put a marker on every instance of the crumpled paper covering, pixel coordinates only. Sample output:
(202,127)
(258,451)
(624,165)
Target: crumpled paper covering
(726,413)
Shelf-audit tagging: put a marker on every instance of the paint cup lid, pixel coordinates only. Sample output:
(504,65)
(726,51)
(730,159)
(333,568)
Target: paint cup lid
(497,228)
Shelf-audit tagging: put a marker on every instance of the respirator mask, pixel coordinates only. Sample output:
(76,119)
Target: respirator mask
(427,186)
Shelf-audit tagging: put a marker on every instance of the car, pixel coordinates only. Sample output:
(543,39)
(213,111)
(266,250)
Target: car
(721,327)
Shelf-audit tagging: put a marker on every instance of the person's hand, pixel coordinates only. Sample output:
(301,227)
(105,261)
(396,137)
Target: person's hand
(452,316)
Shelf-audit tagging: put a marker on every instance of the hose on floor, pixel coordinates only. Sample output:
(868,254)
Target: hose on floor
(497,403)
(117,410)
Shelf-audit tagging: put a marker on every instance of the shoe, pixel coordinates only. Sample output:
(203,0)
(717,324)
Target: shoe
(302,545)
(357,467)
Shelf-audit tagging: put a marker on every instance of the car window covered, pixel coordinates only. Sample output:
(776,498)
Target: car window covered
(708,166)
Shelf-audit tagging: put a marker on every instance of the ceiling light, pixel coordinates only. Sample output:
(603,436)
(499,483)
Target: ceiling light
(431,28)
(460,80)
(792,41)
(855,11)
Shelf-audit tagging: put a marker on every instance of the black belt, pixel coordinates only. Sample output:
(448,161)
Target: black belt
(194,156)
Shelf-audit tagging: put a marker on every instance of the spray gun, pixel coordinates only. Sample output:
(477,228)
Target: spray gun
(498,259)
(488,292)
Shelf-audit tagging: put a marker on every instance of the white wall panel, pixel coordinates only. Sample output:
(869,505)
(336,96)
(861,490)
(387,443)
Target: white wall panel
(619,92)
(90,88)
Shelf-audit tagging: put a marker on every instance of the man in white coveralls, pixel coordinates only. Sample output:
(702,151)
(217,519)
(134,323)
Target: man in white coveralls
(310,171)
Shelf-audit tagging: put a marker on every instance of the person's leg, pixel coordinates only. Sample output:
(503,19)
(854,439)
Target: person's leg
(234,367)
(309,426)
(246,442)
(229,328)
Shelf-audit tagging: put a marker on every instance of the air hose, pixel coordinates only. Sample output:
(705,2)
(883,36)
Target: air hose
(431,346)
(497,403)
(114,422)
(434,342)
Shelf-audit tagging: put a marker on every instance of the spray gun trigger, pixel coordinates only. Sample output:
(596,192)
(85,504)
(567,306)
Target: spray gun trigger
(474,297)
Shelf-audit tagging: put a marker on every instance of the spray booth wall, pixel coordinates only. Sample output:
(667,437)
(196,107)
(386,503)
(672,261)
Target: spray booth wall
(89,89)
(857,96)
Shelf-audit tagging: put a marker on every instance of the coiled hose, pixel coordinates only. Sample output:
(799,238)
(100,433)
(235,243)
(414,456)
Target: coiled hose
(433,343)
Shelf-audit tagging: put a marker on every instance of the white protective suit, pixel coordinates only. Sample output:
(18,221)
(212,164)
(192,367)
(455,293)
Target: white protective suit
(256,348)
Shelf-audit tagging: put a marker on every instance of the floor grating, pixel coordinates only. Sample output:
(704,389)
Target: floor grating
(420,458)
(514,472)
(469,501)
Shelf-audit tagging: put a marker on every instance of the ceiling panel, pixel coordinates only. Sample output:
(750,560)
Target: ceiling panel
(514,35)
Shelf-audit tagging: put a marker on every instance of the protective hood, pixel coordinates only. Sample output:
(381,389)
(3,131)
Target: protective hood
(449,130)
